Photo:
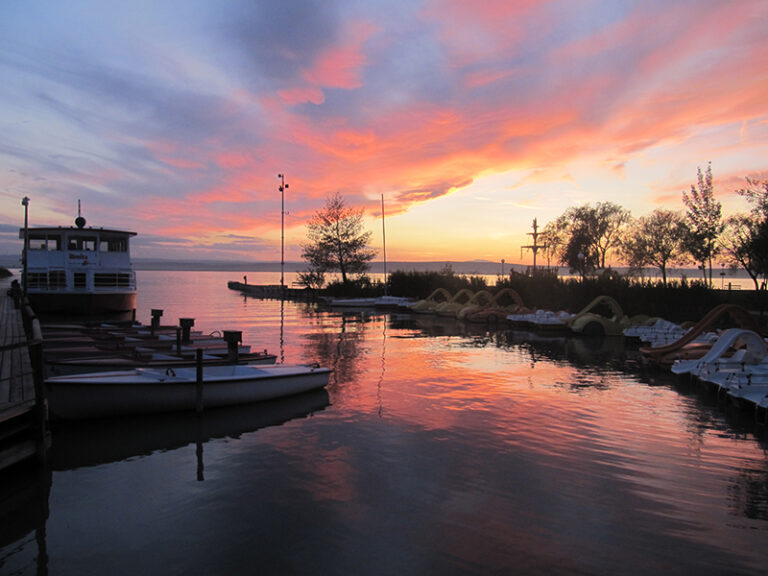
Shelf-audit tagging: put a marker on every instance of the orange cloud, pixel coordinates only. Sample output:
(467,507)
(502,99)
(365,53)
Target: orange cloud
(340,66)
(301,94)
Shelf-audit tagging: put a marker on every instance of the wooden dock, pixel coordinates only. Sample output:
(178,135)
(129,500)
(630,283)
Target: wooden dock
(23,426)
(273,291)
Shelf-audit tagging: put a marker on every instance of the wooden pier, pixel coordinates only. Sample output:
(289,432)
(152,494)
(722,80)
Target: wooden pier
(23,418)
(273,291)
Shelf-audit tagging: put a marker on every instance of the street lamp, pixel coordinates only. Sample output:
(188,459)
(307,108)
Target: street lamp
(282,188)
(25,203)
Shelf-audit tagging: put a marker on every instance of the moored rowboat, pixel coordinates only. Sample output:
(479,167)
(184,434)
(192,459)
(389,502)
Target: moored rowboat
(148,390)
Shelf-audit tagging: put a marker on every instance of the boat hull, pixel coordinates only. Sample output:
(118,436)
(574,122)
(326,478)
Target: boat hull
(110,363)
(147,391)
(82,303)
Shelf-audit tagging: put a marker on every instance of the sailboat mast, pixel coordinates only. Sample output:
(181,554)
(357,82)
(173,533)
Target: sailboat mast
(384,240)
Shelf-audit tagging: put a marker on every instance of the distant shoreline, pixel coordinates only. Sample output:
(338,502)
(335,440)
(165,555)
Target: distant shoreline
(472,267)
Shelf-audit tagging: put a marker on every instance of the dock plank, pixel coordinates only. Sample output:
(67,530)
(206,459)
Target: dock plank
(17,387)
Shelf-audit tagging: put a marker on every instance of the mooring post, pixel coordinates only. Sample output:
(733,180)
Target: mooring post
(35,349)
(232,338)
(199,380)
(156,314)
(186,329)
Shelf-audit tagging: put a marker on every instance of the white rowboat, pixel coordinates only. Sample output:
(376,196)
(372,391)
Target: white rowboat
(147,390)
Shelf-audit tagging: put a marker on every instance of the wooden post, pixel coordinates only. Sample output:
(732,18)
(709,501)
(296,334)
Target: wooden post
(156,314)
(186,326)
(232,338)
(41,404)
(199,380)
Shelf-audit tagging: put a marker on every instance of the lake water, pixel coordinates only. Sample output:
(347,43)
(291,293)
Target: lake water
(438,448)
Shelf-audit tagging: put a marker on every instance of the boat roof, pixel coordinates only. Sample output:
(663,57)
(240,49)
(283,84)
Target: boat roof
(75,229)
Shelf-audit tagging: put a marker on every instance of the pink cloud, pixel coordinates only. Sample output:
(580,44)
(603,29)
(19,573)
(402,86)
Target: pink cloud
(170,153)
(233,160)
(472,30)
(338,66)
(301,94)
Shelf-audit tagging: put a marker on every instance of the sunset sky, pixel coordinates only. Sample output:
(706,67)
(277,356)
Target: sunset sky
(173,118)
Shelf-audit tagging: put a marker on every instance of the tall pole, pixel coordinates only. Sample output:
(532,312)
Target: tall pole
(282,188)
(384,240)
(25,203)
(535,246)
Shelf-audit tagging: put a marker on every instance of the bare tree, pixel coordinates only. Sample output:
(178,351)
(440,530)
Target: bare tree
(336,240)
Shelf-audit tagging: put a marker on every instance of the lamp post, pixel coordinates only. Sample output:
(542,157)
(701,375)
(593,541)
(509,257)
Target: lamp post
(581,257)
(25,203)
(282,188)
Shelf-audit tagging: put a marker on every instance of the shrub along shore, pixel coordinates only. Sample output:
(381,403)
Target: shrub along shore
(677,301)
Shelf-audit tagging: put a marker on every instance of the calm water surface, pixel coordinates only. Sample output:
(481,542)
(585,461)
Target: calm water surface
(438,448)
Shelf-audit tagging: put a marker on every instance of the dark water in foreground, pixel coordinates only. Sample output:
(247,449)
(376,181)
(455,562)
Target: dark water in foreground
(437,449)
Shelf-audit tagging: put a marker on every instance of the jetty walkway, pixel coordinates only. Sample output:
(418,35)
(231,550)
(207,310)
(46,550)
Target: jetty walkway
(23,428)
(273,291)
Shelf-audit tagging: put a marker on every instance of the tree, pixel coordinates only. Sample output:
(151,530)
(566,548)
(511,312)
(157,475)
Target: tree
(583,236)
(756,194)
(705,222)
(657,240)
(745,238)
(336,240)
(552,238)
(611,221)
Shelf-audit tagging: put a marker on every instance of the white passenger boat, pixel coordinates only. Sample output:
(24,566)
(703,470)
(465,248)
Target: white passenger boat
(146,390)
(78,271)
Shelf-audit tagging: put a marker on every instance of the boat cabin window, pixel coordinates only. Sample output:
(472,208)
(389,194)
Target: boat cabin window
(113,245)
(111,280)
(84,243)
(79,279)
(38,241)
(57,279)
(51,280)
(37,280)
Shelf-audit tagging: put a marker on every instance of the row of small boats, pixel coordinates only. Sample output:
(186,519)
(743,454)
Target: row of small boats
(480,306)
(107,370)
(733,360)
(74,349)
(601,317)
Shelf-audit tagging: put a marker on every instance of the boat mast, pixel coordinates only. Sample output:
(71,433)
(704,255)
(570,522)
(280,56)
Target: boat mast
(384,240)
(535,246)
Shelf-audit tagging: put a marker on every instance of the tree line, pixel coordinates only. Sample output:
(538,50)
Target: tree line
(586,238)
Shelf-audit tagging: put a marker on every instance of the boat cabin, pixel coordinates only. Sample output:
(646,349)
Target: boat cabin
(78,269)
